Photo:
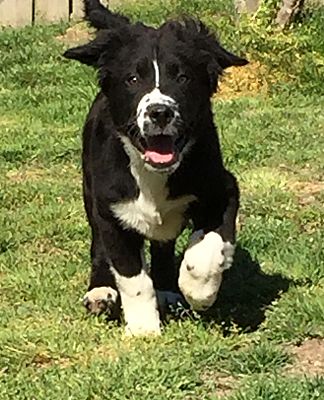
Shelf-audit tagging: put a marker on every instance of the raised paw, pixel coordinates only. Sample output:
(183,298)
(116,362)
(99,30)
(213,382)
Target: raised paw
(101,300)
(201,270)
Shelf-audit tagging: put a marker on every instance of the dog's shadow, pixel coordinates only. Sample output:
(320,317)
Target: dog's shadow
(245,294)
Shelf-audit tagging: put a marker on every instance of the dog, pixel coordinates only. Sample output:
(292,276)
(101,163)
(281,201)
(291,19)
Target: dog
(152,164)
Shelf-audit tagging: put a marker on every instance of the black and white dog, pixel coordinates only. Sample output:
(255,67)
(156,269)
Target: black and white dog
(152,163)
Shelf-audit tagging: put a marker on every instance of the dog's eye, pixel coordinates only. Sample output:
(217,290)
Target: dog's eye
(132,80)
(182,78)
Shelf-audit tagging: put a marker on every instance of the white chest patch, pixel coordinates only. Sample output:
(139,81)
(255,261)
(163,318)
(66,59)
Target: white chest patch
(152,214)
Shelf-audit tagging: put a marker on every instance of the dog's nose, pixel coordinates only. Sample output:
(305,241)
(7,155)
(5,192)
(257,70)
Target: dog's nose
(160,114)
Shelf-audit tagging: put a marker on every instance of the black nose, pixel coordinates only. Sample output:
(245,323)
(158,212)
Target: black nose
(160,114)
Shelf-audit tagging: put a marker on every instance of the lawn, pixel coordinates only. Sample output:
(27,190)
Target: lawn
(264,337)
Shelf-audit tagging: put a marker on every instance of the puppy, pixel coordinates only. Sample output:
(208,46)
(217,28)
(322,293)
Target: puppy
(152,164)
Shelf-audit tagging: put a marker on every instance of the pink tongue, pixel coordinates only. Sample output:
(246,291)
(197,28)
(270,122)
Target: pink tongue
(160,149)
(158,158)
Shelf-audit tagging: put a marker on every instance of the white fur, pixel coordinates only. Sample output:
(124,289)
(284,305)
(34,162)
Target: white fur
(152,214)
(229,250)
(139,304)
(202,267)
(154,97)
(157,73)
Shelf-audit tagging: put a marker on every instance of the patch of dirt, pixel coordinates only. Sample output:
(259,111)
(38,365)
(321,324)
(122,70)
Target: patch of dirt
(225,384)
(244,81)
(23,175)
(34,173)
(5,121)
(45,246)
(307,192)
(106,352)
(77,34)
(308,358)
(43,360)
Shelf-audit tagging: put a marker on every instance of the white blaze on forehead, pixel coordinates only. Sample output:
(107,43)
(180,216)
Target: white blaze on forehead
(157,73)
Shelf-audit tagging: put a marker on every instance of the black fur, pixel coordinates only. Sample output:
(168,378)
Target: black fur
(191,60)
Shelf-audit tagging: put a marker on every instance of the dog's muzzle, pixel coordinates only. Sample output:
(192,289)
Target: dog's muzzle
(159,121)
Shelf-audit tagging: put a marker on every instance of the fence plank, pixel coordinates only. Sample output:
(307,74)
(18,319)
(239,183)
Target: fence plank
(51,10)
(77,9)
(15,12)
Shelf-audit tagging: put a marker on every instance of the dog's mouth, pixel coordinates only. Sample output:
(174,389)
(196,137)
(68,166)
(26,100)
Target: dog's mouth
(162,151)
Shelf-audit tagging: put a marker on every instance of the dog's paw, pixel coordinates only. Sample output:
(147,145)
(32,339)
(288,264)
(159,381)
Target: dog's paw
(169,302)
(144,322)
(142,318)
(101,300)
(135,330)
(201,270)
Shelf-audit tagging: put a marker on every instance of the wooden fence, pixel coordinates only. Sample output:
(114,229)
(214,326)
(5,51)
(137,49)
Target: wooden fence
(27,12)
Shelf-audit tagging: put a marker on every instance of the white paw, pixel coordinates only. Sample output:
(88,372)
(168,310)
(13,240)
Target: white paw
(141,316)
(202,267)
(101,299)
(143,329)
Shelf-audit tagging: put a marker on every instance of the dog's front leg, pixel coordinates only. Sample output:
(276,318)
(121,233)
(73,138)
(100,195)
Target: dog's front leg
(125,256)
(210,251)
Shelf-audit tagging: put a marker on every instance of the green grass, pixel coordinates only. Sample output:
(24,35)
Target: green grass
(273,295)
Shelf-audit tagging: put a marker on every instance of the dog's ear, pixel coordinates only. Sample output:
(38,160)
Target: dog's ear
(88,54)
(101,17)
(92,53)
(225,59)
(212,54)
(209,43)
(111,28)
(218,60)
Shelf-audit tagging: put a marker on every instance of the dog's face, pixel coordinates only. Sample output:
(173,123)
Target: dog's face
(158,83)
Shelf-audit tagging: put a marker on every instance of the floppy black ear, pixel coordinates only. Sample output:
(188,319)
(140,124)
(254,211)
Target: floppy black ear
(209,44)
(91,53)
(214,55)
(225,59)
(88,54)
(102,18)
(220,59)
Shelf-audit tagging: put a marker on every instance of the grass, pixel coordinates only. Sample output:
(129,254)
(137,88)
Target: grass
(273,296)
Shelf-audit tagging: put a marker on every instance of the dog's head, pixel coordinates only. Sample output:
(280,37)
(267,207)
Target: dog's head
(158,81)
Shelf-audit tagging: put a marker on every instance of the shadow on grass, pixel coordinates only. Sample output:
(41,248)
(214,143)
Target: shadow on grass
(245,293)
